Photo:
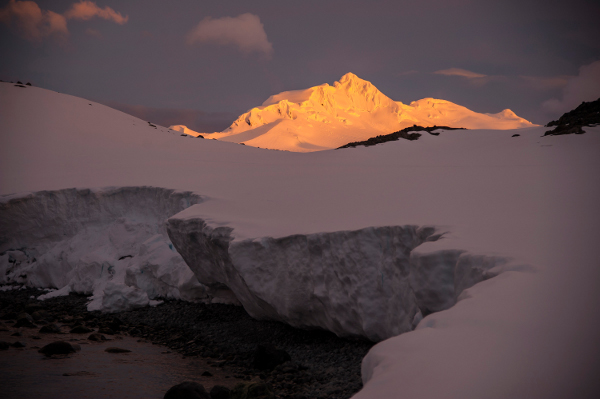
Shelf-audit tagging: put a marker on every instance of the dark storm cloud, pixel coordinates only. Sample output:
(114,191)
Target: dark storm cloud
(525,51)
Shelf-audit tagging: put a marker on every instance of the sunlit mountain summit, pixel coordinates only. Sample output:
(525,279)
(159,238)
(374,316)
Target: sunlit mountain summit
(353,109)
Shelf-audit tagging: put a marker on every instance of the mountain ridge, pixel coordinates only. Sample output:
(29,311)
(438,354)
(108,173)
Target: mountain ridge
(352,109)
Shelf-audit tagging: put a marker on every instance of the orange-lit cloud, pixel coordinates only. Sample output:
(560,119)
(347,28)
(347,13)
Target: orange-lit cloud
(244,31)
(86,10)
(460,72)
(31,22)
(583,87)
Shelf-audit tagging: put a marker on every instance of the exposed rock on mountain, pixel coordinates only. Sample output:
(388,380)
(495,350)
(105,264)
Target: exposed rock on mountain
(572,122)
(409,133)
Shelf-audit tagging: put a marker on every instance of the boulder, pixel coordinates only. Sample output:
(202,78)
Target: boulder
(59,348)
(187,390)
(267,357)
(252,390)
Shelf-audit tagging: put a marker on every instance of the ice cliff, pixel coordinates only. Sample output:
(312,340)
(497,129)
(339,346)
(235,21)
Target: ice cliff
(111,243)
(369,282)
(128,246)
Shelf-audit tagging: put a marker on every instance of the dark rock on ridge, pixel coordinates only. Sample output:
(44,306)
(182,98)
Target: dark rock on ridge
(408,133)
(572,122)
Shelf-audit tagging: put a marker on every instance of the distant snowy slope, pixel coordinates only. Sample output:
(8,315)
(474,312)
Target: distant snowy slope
(530,201)
(353,109)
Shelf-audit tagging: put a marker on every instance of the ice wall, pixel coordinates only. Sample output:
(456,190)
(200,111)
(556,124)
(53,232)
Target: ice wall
(110,242)
(369,282)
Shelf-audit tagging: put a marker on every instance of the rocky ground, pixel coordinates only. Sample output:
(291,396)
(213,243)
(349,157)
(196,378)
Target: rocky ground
(292,363)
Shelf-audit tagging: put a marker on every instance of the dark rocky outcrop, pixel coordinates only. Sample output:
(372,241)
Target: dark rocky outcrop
(572,122)
(187,390)
(409,133)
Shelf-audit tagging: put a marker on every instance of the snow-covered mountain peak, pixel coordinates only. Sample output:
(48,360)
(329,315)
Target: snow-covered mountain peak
(352,109)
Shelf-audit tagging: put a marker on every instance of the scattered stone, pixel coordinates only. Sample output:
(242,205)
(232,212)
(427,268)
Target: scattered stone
(35,337)
(114,349)
(515,135)
(59,348)
(18,344)
(4,345)
(40,315)
(106,331)
(3,327)
(79,374)
(252,390)
(9,316)
(16,334)
(81,330)
(31,308)
(25,320)
(50,329)
(97,337)
(187,390)
(267,357)
(220,392)
(207,374)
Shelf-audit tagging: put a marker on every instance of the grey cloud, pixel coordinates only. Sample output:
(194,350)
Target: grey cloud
(244,31)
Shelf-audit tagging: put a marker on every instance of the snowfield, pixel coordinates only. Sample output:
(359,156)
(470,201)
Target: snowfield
(362,241)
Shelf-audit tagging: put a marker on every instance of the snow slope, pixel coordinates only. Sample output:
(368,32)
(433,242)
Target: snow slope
(327,117)
(531,201)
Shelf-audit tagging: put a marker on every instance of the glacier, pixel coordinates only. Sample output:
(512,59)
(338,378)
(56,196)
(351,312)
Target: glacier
(110,242)
(127,247)
(366,283)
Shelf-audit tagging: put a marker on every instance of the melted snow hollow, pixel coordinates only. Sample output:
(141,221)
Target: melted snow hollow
(353,109)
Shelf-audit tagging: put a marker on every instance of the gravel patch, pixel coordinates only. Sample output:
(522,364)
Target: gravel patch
(322,365)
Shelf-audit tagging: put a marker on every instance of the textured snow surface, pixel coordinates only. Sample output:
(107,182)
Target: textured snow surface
(353,109)
(529,201)
(109,242)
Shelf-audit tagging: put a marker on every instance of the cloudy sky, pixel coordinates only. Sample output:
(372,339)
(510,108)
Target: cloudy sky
(202,63)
